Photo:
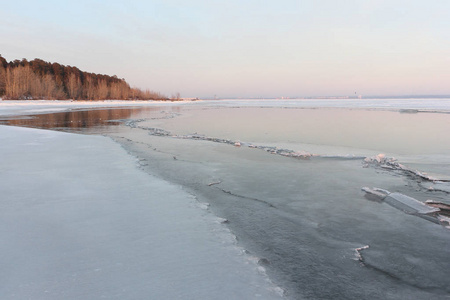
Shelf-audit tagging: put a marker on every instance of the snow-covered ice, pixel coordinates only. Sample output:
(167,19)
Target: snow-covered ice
(12,107)
(79,220)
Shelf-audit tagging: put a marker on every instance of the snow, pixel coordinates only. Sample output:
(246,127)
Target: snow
(80,220)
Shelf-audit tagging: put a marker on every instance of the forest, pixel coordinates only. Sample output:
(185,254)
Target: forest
(38,79)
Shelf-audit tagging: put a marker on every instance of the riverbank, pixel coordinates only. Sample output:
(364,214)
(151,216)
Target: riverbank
(21,107)
(79,220)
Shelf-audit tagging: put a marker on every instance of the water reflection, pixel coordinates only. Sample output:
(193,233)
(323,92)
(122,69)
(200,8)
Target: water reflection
(87,121)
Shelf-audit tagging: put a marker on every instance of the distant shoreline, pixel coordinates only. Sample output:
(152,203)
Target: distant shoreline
(335,97)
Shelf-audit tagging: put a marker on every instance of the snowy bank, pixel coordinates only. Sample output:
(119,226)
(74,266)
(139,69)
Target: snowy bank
(23,107)
(15,107)
(79,220)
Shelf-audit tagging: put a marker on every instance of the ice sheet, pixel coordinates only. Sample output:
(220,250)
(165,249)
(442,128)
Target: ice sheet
(305,218)
(407,105)
(11,107)
(78,220)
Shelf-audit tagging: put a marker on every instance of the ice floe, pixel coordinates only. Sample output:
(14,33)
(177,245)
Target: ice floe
(430,210)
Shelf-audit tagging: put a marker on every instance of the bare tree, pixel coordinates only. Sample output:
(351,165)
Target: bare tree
(49,86)
(2,80)
(51,89)
(36,87)
(114,91)
(176,97)
(17,85)
(90,89)
(38,79)
(119,90)
(102,89)
(73,86)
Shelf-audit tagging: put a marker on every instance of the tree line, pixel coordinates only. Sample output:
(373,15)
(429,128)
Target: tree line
(38,79)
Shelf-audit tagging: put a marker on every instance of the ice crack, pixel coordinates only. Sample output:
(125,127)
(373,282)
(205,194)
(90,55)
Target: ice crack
(246,197)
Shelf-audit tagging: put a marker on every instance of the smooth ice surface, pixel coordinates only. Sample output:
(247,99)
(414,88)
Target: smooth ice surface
(388,104)
(79,220)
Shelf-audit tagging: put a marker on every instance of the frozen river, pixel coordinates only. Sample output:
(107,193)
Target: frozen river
(288,175)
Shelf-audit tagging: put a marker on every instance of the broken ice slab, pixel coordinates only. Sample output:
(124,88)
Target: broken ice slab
(379,193)
(444,207)
(444,220)
(402,202)
(433,211)
(391,163)
(438,186)
(409,205)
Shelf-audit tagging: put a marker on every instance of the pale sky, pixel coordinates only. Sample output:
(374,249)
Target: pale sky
(241,48)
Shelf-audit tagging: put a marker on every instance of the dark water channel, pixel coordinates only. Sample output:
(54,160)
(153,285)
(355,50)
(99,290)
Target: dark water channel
(316,233)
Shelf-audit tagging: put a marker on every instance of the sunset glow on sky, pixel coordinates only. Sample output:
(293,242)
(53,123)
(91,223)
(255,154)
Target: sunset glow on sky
(242,48)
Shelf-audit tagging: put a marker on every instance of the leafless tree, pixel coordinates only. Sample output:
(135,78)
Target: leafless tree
(38,79)
(2,80)
(73,86)
(102,89)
